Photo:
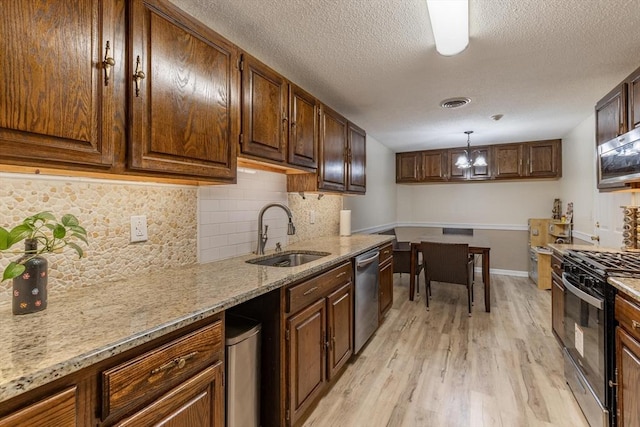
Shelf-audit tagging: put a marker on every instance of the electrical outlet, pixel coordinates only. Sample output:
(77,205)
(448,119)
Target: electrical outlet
(312,217)
(138,228)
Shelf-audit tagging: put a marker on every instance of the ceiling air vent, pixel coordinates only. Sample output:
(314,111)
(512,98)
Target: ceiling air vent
(455,102)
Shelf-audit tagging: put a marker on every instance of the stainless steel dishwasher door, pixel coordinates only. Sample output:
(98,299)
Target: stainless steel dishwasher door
(366,297)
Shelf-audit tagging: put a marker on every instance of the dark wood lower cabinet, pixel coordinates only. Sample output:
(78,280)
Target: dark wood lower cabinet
(198,402)
(627,375)
(306,331)
(175,380)
(318,338)
(628,378)
(340,321)
(58,410)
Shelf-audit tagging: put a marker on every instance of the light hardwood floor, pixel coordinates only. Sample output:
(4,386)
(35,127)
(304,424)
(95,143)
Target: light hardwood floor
(443,368)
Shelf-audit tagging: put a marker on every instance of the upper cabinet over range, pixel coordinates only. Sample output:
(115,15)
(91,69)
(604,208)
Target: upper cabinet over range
(84,89)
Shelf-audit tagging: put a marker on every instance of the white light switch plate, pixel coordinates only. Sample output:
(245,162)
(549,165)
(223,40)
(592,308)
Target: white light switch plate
(312,217)
(138,228)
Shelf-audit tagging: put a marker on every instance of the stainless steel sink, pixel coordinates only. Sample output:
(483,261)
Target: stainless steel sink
(288,258)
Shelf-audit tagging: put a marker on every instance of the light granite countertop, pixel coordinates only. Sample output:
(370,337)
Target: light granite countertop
(83,326)
(629,286)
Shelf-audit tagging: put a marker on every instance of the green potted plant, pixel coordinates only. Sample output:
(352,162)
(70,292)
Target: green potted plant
(42,233)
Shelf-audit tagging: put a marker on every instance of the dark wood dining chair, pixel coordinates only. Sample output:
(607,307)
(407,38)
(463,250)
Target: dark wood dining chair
(448,263)
(402,255)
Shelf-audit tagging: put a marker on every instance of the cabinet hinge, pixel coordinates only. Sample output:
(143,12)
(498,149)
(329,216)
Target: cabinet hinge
(318,179)
(241,64)
(241,139)
(286,335)
(288,415)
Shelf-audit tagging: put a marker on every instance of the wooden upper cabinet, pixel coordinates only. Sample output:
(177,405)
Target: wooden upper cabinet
(408,166)
(333,147)
(474,172)
(184,107)
(433,165)
(264,111)
(544,159)
(356,159)
(611,114)
(304,127)
(455,173)
(633,103)
(56,106)
(507,161)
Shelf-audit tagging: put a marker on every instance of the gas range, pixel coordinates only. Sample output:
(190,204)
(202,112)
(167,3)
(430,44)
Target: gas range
(603,264)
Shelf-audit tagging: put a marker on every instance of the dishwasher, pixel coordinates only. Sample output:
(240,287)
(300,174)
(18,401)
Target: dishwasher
(366,297)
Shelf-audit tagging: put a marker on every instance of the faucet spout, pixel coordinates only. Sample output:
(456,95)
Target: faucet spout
(262,236)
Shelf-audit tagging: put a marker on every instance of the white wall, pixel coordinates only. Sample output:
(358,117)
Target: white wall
(499,205)
(377,208)
(579,186)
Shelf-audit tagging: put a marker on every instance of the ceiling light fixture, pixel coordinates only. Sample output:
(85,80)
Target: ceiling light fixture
(464,161)
(450,25)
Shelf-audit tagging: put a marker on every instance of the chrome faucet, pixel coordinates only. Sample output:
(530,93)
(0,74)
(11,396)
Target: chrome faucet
(262,236)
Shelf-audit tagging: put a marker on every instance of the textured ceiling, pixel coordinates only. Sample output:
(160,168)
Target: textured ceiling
(541,63)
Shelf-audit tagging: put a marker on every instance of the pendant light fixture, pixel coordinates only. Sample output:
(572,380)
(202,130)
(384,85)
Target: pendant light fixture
(450,25)
(465,160)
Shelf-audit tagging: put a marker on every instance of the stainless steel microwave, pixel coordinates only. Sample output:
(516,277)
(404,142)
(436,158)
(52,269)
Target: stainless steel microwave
(619,160)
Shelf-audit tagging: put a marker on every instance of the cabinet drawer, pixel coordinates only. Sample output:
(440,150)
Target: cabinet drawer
(386,252)
(150,374)
(556,264)
(301,295)
(628,315)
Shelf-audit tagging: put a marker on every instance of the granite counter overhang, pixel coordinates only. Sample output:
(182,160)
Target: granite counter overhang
(86,325)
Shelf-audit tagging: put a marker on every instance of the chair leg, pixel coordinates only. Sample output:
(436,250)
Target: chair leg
(469,296)
(427,285)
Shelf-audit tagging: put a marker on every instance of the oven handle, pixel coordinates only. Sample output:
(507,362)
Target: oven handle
(596,302)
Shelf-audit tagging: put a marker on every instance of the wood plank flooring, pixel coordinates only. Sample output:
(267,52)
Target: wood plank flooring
(443,368)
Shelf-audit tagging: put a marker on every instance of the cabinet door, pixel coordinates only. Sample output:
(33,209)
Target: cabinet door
(56,106)
(408,167)
(198,401)
(543,159)
(264,111)
(456,173)
(557,307)
(58,410)
(434,165)
(507,161)
(306,350)
(633,103)
(611,117)
(303,128)
(628,378)
(333,146)
(184,115)
(340,322)
(356,159)
(385,300)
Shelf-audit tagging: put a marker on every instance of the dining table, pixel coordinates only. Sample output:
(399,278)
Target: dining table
(478,245)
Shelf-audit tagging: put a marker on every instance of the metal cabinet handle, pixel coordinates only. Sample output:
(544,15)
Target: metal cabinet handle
(138,76)
(180,362)
(341,274)
(309,291)
(108,63)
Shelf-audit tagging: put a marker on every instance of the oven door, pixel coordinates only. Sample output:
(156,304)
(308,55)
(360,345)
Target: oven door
(584,322)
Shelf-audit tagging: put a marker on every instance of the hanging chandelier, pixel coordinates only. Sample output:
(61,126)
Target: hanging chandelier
(465,160)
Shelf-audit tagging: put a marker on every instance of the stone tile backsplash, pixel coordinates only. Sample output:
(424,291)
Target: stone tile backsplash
(104,208)
(185,224)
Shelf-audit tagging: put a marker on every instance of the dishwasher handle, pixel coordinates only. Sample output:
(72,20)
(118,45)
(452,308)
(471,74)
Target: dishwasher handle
(364,262)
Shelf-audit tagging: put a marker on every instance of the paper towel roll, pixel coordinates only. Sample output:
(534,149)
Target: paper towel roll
(345,223)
